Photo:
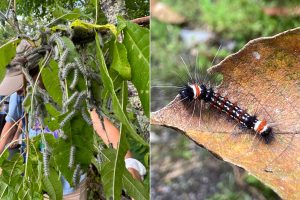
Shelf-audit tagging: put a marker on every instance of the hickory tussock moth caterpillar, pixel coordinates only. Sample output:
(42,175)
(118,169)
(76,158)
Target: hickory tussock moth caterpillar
(85,116)
(76,175)
(56,53)
(79,100)
(75,79)
(63,58)
(67,118)
(60,43)
(100,158)
(71,99)
(67,69)
(81,67)
(72,156)
(53,37)
(46,160)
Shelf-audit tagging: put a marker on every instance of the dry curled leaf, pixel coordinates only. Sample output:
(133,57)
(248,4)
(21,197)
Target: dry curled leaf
(264,78)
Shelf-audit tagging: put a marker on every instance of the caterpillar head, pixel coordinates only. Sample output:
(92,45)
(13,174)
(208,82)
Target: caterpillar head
(187,93)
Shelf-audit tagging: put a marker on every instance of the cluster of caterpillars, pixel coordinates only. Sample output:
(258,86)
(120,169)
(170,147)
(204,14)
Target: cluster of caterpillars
(196,91)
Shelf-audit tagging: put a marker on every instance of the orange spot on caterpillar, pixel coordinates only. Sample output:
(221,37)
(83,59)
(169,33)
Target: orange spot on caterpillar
(261,126)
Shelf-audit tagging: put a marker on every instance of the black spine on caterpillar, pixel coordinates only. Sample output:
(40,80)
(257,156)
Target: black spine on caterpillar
(67,118)
(194,91)
(72,156)
(76,175)
(75,79)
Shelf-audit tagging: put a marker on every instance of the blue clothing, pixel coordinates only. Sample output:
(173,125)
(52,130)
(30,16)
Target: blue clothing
(15,110)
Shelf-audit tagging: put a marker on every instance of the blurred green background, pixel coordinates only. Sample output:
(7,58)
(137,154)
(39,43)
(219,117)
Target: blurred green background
(179,168)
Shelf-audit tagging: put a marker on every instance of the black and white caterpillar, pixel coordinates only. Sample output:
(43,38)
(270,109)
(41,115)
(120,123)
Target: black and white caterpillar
(196,91)
(76,175)
(72,156)
(46,155)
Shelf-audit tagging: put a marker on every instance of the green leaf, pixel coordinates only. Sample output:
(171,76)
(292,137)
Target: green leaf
(120,62)
(51,110)
(7,53)
(62,13)
(119,164)
(53,185)
(121,26)
(134,188)
(7,191)
(51,81)
(79,134)
(108,83)
(136,41)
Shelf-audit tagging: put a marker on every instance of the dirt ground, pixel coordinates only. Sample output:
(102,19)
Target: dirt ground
(180,169)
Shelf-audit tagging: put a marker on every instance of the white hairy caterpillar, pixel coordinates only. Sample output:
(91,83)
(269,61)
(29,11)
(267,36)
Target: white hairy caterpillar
(85,116)
(75,79)
(67,118)
(63,58)
(100,158)
(71,99)
(60,43)
(89,91)
(67,69)
(53,37)
(76,175)
(46,160)
(56,53)
(79,100)
(81,67)
(72,156)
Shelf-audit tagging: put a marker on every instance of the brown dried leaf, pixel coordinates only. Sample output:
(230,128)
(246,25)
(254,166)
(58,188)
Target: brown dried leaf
(164,13)
(263,77)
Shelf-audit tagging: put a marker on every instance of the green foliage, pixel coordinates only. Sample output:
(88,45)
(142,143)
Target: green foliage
(137,8)
(100,80)
(120,62)
(51,81)
(107,81)
(7,52)
(136,41)
(251,14)
(133,187)
(53,185)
